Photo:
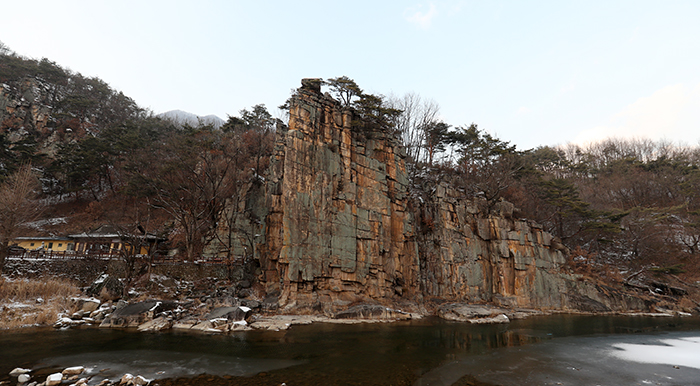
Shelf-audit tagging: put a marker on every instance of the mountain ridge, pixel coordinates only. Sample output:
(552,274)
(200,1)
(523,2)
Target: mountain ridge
(181,117)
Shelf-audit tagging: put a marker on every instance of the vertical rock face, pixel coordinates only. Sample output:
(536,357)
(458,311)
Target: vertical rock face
(24,114)
(467,257)
(19,111)
(339,229)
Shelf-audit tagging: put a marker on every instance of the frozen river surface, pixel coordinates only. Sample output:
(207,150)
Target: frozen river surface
(612,360)
(553,350)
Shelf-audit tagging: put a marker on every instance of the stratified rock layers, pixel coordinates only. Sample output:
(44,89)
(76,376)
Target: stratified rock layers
(468,257)
(340,228)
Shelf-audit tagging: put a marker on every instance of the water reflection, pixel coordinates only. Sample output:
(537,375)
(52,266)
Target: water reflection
(475,341)
(165,364)
(424,352)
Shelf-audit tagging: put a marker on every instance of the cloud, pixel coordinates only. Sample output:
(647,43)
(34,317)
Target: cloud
(415,15)
(671,113)
(523,110)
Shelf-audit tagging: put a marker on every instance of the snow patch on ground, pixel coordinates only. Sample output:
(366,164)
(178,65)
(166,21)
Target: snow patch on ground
(680,352)
(17,305)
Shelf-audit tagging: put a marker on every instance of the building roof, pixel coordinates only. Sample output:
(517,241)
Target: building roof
(110,231)
(107,231)
(49,238)
(102,232)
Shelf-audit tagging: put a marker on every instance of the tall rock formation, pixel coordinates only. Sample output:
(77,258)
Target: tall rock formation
(468,256)
(340,225)
(339,229)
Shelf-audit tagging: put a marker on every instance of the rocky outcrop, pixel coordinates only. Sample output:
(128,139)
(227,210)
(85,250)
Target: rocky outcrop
(466,256)
(341,226)
(482,314)
(134,315)
(19,109)
(339,229)
(220,319)
(25,114)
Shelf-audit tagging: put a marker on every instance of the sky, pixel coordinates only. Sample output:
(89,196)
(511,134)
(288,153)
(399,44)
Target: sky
(533,73)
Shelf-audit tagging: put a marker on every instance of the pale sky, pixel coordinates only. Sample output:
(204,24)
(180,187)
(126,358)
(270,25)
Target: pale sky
(531,72)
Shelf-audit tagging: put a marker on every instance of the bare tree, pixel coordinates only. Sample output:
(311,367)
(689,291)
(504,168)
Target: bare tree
(235,219)
(140,231)
(17,206)
(413,124)
(4,49)
(190,178)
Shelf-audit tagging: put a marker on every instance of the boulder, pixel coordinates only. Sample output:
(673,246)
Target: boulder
(140,381)
(23,378)
(76,370)
(230,313)
(126,379)
(250,303)
(136,314)
(221,324)
(106,287)
(78,315)
(473,313)
(19,371)
(82,382)
(99,314)
(205,326)
(54,379)
(86,305)
(239,326)
(158,324)
(90,305)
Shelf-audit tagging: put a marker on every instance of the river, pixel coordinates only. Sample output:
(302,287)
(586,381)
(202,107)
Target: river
(546,350)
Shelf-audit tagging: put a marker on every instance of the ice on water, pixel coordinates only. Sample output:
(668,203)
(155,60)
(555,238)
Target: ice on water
(676,352)
(611,360)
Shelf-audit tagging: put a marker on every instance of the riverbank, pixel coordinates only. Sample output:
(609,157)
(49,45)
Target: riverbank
(31,302)
(211,308)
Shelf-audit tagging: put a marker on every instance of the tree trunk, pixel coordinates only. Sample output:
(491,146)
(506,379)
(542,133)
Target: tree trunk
(3,254)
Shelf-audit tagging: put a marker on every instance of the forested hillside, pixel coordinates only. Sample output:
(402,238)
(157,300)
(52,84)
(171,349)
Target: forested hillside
(44,106)
(98,158)
(618,205)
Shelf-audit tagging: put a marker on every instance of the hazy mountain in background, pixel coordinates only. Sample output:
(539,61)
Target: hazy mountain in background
(182,118)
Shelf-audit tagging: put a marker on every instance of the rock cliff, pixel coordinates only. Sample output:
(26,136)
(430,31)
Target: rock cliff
(468,257)
(340,226)
(20,113)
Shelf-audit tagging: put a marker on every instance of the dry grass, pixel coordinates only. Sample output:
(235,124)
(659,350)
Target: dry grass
(25,302)
(26,289)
